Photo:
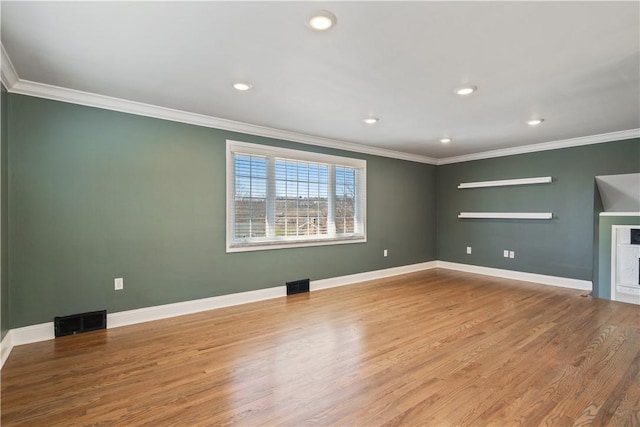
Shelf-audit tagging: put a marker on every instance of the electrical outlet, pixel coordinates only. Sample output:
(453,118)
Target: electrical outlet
(505,253)
(384,253)
(468,250)
(512,254)
(118,284)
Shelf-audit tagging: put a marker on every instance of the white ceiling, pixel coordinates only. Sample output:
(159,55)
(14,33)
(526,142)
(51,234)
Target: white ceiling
(576,64)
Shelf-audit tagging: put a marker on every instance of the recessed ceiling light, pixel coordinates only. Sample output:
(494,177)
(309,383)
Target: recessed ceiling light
(445,140)
(370,120)
(322,20)
(534,122)
(465,90)
(242,86)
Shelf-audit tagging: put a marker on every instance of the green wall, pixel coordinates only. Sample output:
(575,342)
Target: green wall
(602,284)
(4,193)
(562,246)
(97,194)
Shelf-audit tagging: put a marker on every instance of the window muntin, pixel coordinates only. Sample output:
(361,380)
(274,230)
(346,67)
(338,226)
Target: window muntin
(282,198)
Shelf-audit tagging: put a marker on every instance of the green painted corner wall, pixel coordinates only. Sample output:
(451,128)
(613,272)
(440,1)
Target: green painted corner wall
(4,193)
(602,284)
(96,194)
(563,246)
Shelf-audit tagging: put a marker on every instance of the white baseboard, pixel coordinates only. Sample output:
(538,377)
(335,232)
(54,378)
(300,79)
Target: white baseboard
(564,282)
(148,314)
(32,333)
(44,331)
(25,335)
(5,347)
(350,279)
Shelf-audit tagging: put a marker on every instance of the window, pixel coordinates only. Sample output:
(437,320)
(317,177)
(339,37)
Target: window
(279,198)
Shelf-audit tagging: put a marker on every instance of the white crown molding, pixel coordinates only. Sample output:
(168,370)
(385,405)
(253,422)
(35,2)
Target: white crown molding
(8,72)
(57,93)
(544,146)
(14,84)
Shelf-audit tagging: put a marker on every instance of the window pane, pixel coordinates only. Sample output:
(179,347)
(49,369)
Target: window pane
(258,208)
(348,225)
(349,208)
(258,167)
(292,171)
(243,227)
(339,177)
(259,188)
(243,186)
(313,173)
(322,226)
(242,165)
(258,228)
(346,193)
(281,189)
(323,193)
(322,208)
(291,226)
(292,190)
(350,176)
(242,208)
(303,172)
(323,173)
(281,170)
(303,191)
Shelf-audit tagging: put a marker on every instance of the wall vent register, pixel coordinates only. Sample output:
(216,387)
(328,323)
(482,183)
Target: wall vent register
(78,323)
(297,286)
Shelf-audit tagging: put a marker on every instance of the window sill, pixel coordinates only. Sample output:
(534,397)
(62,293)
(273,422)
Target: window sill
(249,247)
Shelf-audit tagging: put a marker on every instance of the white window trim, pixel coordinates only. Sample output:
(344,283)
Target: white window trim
(269,151)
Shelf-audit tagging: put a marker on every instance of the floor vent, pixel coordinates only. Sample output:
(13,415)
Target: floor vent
(298,287)
(77,323)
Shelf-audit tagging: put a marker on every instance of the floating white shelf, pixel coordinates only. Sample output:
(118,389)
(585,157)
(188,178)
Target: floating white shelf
(505,182)
(506,215)
(619,213)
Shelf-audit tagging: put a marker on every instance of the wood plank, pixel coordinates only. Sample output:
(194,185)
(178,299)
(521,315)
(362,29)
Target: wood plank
(431,348)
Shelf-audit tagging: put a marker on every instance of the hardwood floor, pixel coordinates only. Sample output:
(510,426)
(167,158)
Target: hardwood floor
(433,348)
